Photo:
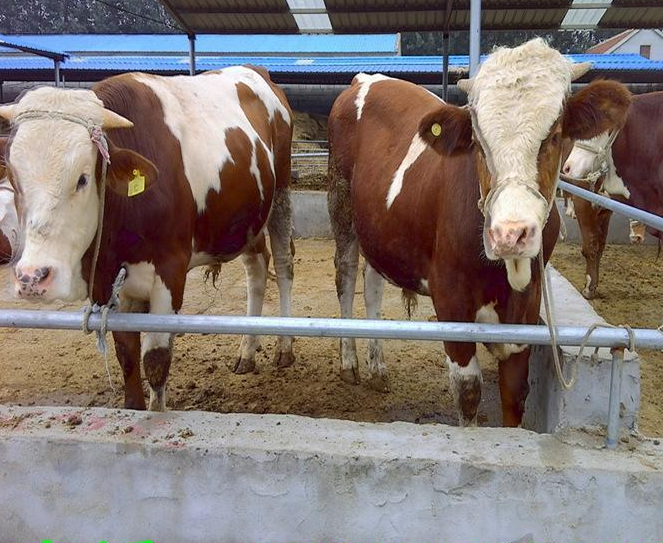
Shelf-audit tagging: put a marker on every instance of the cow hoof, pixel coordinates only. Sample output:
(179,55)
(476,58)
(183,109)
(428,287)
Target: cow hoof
(244,365)
(284,359)
(350,375)
(589,294)
(379,383)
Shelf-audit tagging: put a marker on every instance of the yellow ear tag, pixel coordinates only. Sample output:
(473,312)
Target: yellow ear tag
(436,129)
(136,185)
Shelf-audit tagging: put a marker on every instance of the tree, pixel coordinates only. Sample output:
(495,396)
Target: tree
(85,16)
(566,41)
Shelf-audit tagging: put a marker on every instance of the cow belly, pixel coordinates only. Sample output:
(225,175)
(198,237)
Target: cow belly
(230,223)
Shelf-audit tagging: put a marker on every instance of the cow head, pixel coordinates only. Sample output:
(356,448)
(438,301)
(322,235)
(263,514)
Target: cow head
(593,157)
(520,109)
(54,165)
(8,217)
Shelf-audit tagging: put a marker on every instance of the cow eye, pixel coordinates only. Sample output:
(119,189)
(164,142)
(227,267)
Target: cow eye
(82,181)
(555,138)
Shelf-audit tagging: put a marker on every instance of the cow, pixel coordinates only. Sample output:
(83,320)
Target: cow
(8,217)
(406,173)
(199,168)
(634,176)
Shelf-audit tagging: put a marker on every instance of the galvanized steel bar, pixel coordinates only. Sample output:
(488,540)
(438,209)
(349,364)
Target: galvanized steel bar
(314,154)
(324,327)
(475,35)
(56,67)
(616,374)
(629,211)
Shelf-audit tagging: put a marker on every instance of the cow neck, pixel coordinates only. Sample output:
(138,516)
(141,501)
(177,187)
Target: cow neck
(485,200)
(99,140)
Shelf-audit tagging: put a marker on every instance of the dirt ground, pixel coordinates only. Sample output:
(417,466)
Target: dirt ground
(630,291)
(64,368)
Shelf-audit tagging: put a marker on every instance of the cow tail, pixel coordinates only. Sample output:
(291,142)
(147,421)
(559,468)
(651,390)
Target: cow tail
(410,302)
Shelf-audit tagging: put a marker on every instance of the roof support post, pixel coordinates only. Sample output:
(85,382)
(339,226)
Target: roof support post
(445,49)
(56,65)
(192,54)
(445,64)
(475,35)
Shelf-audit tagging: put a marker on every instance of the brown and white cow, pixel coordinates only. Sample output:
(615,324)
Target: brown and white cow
(406,173)
(8,217)
(199,167)
(635,177)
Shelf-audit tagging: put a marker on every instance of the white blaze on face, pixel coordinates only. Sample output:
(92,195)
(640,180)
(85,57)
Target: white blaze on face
(583,160)
(59,219)
(517,96)
(580,161)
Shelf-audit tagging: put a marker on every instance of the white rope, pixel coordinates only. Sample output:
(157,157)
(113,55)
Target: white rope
(547,302)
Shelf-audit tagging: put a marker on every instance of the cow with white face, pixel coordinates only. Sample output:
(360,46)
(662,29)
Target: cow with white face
(406,171)
(8,216)
(627,161)
(161,174)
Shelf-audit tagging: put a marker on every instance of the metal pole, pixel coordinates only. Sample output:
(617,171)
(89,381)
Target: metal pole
(616,373)
(475,35)
(445,64)
(631,212)
(321,327)
(192,54)
(56,64)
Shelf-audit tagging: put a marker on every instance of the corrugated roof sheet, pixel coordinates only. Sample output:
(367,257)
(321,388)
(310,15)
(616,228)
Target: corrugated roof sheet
(348,65)
(294,44)
(257,16)
(20,43)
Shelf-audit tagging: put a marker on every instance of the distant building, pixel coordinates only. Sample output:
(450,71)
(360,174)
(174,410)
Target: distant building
(646,42)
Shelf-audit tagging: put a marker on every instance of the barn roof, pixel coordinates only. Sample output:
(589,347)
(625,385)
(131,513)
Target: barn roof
(298,44)
(313,69)
(357,16)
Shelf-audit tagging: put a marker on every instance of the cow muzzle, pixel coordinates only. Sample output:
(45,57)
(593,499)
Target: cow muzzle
(33,282)
(513,239)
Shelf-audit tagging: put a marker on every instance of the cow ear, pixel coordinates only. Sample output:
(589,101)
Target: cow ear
(600,106)
(129,174)
(448,129)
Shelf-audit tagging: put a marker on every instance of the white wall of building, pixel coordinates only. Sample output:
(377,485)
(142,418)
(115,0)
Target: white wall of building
(647,36)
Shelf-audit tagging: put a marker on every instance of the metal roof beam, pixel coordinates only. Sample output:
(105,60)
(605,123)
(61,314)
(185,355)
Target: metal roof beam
(175,13)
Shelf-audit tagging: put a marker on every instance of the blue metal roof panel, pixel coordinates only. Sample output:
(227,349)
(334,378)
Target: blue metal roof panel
(320,65)
(23,42)
(215,43)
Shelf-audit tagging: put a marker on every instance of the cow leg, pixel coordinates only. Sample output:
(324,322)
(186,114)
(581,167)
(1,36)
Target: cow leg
(594,224)
(514,387)
(346,261)
(127,350)
(255,267)
(465,380)
(373,287)
(157,348)
(280,238)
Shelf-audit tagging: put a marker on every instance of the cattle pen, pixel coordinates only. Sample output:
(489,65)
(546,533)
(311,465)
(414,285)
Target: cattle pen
(577,470)
(269,457)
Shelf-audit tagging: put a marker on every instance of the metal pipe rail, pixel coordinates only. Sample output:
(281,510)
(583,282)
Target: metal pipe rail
(325,327)
(629,211)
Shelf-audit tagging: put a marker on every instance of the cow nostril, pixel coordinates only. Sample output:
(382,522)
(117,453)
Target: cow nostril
(566,169)
(43,273)
(522,238)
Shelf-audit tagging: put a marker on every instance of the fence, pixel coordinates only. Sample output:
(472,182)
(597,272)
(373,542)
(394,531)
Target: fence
(616,339)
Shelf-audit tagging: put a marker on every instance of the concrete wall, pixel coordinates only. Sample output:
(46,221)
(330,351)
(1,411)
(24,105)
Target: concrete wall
(549,407)
(85,475)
